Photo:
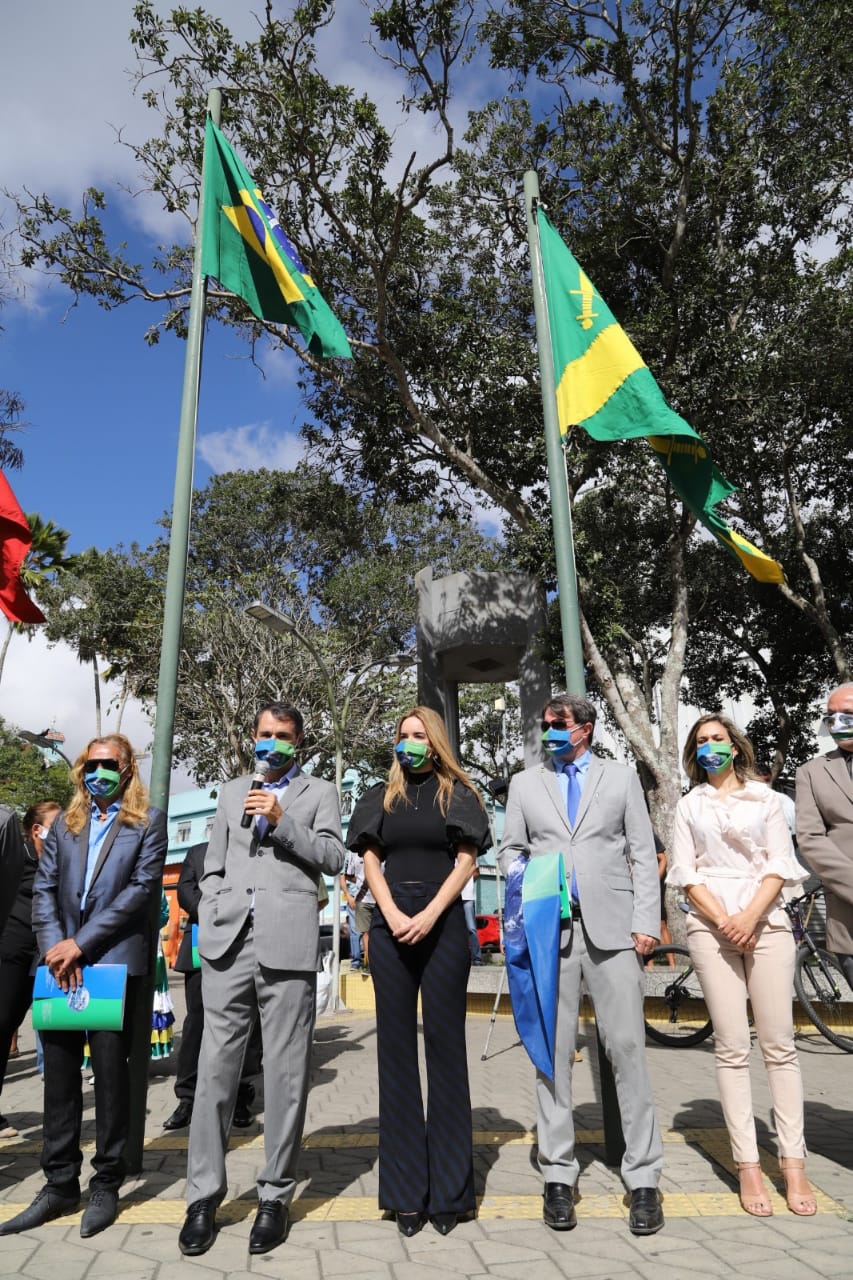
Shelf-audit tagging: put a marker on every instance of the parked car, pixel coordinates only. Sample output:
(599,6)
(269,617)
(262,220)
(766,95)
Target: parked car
(489,933)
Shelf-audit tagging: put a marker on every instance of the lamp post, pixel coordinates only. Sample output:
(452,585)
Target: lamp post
(339,715)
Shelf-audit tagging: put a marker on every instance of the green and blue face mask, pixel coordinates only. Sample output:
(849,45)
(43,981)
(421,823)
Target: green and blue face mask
(840,725)
(276,751)
(714,757)
(102,778)
(411,753)
(557,742)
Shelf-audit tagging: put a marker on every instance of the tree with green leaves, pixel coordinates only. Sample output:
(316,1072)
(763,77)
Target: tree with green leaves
(26,776)
(695,157)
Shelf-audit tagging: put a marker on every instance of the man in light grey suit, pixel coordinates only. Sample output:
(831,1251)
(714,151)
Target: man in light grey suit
(593,811)
(260,949)
(825,824)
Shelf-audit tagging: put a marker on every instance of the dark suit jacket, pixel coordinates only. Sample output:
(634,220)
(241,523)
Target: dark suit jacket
(189,896)
(11,860)
(114,927)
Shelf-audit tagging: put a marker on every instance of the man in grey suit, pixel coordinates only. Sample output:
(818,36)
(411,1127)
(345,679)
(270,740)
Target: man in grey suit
(260,949)
(593,811)
(825,824)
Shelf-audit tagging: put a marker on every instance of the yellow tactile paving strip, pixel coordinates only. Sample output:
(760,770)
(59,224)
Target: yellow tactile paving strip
(713,1142)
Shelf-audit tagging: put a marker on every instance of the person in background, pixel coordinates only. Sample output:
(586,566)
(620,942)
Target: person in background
(468,906)
(97,881)
(825,824)
(18,949)
(763,773)
(427,825)
(732,855)
(348,881)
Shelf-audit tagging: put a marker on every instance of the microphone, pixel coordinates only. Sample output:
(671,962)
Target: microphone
(262,768)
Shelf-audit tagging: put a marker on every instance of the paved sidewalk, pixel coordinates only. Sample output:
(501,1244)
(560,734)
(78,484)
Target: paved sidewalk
(338,1231)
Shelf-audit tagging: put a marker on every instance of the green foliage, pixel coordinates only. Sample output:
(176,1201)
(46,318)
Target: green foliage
(25,777)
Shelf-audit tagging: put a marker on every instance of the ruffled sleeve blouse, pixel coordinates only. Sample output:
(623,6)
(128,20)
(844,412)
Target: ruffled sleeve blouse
(729,843)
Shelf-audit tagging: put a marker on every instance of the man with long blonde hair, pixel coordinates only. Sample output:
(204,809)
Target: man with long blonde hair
(100,870)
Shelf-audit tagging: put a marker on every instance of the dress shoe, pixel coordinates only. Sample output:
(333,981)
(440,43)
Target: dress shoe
(444,1222)
(7,1129)
(269,1227)
(48,1204)
(180,1117)
(558,1207)
(646,1216)
(100,1212)
(409,1224)
(242,1119)
(199,1228)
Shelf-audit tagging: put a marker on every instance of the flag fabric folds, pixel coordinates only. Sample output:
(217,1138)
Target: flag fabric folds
(245,249)
(15,541)
(535,893)
(604,386)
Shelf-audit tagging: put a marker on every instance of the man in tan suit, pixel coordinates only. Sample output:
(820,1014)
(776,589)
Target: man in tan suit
(825,824)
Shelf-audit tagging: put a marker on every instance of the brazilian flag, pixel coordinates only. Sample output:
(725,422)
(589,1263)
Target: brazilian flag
(245,249)
(604,386)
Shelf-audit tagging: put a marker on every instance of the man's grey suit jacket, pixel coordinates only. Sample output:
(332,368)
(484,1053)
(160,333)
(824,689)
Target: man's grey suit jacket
(825,839)
(279,874)
(611,847)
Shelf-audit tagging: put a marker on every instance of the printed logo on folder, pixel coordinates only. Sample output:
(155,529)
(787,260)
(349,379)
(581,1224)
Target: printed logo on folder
(96,1005)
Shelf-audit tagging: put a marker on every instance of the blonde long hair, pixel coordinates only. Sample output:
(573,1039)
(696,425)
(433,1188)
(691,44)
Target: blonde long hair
(134,797)
(444,763)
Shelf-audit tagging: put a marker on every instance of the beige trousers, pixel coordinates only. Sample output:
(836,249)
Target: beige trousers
(728,975)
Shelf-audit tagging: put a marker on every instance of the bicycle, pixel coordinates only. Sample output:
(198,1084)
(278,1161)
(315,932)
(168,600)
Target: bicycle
(687,1022)
(818,979)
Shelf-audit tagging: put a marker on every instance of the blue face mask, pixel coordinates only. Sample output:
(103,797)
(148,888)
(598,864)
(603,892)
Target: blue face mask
(714,757)
(275,751)
(103,783)
(557,742)
(411,753)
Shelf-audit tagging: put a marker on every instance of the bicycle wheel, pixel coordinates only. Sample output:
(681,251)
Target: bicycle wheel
(674,1010)
(817,978)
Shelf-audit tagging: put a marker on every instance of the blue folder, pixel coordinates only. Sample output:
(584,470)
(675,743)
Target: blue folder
(97,1005)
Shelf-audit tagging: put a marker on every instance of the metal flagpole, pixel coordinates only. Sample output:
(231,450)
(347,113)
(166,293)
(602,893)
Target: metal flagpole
(167,686)
(566,576)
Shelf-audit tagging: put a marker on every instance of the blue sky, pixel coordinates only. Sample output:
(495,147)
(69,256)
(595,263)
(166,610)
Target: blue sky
(102,407)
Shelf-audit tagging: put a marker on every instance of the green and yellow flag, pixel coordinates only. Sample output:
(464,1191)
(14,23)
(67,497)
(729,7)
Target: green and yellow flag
(245,249)
(604,386)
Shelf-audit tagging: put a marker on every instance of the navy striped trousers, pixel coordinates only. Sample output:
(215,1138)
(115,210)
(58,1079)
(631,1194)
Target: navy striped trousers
(424,1164)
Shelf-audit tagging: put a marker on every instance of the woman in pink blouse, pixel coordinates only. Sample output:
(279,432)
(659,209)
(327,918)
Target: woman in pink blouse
(732,854)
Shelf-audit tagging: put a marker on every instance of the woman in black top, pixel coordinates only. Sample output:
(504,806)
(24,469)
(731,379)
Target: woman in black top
(18,947)
(427,826)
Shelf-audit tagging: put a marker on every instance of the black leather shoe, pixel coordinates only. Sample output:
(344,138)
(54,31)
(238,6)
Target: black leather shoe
(409,1224)
(646,1215)
(100,1212)
(48,1204)
(444,1222)
(269,1227)
(558,1207)
(180,1117)
(241,1120)
(199,1228)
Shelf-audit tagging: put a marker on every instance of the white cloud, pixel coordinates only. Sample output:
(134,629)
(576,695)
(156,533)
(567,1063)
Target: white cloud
(251,447)
(48,688)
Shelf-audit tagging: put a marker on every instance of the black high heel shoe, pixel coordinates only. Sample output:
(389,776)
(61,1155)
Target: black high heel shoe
(444,1222)
(409,1224)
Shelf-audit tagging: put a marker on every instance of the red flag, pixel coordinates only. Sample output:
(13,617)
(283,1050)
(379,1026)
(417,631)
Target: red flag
(15,540)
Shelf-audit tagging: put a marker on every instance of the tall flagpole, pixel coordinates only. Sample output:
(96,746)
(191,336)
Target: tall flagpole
(139,1013)
(561,513)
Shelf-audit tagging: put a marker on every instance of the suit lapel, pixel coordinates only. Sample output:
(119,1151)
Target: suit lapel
(836,767)
(292,790)
(552,786)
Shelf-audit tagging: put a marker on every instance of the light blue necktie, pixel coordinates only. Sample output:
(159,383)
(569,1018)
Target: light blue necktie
(573,799)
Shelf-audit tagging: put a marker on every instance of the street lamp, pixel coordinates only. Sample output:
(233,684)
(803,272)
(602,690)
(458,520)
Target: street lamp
(281,624)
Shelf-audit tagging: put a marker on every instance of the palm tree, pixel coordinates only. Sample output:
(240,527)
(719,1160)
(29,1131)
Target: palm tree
(45,560)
